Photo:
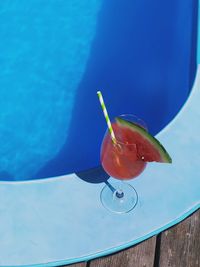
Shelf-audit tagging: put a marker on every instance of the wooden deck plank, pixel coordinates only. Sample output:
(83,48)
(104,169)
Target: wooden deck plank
(180,245)
(141,255)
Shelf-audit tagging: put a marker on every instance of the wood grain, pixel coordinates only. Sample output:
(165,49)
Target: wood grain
(141,255)
(180,245)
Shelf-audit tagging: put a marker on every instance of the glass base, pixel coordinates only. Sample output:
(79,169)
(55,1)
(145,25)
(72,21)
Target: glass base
(121,200)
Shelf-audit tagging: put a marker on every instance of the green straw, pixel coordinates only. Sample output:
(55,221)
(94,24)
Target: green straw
(106,116)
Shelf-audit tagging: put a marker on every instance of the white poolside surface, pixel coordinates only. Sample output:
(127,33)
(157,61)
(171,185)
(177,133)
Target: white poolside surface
(61,220)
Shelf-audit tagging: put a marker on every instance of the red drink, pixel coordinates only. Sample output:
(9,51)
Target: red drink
(121,160)
(125,157)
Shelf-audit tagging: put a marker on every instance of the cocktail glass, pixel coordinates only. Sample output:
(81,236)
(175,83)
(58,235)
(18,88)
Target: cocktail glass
(120,160)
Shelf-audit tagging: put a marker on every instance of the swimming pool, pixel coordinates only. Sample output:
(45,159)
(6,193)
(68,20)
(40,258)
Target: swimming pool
(55,56)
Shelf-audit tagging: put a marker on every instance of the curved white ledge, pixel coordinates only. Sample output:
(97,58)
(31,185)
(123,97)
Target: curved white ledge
(61,220)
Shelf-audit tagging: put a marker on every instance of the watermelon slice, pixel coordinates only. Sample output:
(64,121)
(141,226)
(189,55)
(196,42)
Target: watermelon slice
(148,147)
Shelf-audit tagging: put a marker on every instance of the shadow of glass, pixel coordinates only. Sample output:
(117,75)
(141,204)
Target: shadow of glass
(94,175)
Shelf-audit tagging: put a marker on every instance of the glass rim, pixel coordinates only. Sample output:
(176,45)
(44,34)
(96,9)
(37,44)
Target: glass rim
(126,115)
(134,116)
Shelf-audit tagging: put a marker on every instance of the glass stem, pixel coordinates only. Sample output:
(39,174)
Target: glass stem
(118,192)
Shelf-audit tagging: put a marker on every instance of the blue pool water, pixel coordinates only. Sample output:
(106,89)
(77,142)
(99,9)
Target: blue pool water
(55,55)
(44,49)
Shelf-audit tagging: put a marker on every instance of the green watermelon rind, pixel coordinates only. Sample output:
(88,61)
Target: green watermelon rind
(165,157)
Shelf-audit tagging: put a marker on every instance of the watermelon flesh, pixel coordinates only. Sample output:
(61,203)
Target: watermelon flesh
(135,147)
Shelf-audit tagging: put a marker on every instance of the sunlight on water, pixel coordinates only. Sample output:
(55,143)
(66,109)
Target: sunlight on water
(43,53)
(56,54)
